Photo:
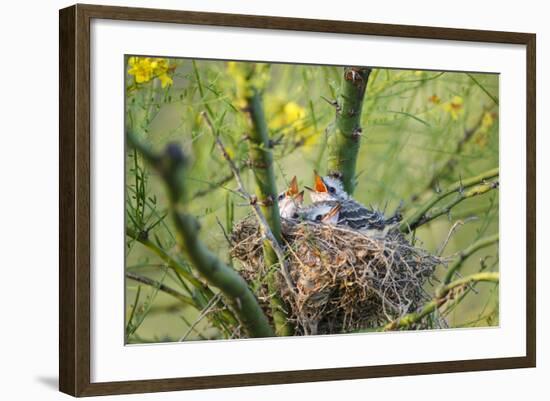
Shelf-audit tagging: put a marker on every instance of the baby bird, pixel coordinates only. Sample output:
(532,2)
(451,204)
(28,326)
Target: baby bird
(327,189)
(290,201)
(352,213)
(322,212)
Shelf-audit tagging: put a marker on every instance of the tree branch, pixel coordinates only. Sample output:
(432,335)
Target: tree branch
(261,163)
(345,141)
(461,195)
(414,220)
(443,297)
(171,166)
(466,253)
(264,227)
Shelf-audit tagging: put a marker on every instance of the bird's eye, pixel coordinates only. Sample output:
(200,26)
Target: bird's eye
(331,190)
(319,217)
(281,197)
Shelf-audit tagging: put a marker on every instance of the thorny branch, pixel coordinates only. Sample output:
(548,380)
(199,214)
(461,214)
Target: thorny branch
(463,255)
(461,195)
(445,295)
(345,141)
(422,215)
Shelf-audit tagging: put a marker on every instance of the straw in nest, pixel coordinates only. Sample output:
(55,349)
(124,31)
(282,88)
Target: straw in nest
(345,280)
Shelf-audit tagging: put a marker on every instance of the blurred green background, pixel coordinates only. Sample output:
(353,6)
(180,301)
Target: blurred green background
(422,130)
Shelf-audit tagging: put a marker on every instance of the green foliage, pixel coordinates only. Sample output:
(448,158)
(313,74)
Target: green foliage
(422,131)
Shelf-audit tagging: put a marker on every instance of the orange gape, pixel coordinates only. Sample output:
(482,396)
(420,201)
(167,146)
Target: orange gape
(319,183)
(293,188)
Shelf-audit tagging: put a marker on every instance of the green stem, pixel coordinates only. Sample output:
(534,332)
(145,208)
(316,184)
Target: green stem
(470,193)
(201,89)
(182,271)
(164,256)
(440,300)
(466,253)
(414,220)
(261,162)
(217,273)
(345,141)
(162,287)
(171,167)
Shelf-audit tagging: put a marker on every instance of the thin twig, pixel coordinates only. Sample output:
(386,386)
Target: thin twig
(466,253)
(441,298)
(455,227)
(162,287)
(421,216)
(223,230)
(266,230)
(202,315)
(461,195)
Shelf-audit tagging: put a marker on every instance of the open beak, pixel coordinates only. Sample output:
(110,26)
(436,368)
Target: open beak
(300,197)
(319,183)
(332,212)
(293,188)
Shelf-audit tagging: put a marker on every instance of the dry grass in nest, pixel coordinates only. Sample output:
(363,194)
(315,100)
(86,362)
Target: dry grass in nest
(345,280)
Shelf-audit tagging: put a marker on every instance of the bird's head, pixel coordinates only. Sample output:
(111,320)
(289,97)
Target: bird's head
(323,212)
(290,200)
(327,188)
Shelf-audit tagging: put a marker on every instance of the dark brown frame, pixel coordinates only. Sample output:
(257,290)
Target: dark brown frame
(74,199)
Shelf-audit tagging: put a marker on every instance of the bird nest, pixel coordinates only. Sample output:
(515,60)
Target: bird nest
(344,280)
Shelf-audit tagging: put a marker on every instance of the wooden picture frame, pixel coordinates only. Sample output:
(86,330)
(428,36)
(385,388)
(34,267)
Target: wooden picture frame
(74,199)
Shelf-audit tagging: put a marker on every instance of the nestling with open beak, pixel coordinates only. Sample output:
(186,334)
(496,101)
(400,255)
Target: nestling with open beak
(352,213)
(327,189)
(322,212)
(290,201)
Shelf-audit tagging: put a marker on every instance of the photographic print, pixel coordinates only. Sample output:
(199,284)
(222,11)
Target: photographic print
(267,199)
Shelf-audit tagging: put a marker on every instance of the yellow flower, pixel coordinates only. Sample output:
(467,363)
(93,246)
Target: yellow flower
(454,107)
(165,80)
(293,112)
(141,69)
(481,137)
(287,116)
(290,120)
(144,69)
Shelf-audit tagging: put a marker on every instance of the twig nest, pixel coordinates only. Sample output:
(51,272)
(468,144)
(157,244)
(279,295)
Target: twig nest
(345,280)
